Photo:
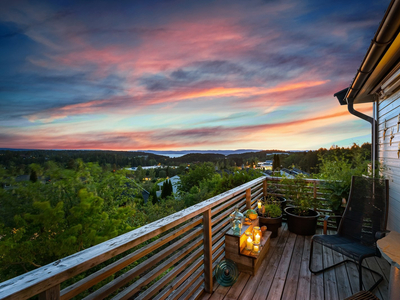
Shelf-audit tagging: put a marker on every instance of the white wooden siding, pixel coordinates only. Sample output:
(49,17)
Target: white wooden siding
(389,110)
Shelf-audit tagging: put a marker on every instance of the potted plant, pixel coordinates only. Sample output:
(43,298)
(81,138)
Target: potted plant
(271,215)
(302,217)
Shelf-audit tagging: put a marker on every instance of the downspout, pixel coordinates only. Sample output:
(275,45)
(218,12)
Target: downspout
(372,121)
(350,107)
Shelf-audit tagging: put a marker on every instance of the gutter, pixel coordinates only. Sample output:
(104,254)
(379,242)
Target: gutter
(384,36)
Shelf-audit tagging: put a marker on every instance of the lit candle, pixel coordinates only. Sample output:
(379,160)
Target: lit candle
(259,205)
(255,248)
(257,239)
(249,243)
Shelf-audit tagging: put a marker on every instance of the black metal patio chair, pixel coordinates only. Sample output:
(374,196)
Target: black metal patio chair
(363,222)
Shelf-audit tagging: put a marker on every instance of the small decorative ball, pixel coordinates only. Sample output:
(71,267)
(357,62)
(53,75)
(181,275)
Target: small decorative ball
(247,221)
(264,228)
(251,213)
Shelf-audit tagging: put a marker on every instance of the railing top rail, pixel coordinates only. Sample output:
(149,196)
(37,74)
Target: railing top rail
(41,279)
(311,180)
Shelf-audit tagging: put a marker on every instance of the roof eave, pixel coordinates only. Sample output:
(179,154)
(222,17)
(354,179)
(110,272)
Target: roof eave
(382,55)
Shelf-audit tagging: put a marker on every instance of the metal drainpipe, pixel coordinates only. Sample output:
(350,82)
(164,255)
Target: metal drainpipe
(350,107)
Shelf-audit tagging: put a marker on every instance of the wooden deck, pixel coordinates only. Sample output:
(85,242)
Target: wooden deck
(284,274)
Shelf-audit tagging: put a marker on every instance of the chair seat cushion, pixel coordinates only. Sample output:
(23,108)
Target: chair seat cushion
(346,246)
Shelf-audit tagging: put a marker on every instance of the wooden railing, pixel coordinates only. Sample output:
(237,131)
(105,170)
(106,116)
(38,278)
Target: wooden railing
(315,189)
(172,258)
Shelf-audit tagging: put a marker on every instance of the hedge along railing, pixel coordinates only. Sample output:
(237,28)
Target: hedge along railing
(315,188)
(172,258)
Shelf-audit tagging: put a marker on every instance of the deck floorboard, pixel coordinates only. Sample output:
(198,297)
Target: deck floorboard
(284,274)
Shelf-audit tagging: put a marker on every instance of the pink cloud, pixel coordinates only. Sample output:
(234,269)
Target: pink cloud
(168,138)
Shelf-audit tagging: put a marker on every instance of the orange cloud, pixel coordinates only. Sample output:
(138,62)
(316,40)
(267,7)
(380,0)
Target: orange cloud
(126,103)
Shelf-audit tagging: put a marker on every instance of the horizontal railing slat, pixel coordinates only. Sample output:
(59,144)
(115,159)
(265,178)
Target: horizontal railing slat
(222,216)
(135,287)
(227,204)
(147,294)
(120,281)
(184,286)
(196,266)
(192,289)
(102,274)
(256,195)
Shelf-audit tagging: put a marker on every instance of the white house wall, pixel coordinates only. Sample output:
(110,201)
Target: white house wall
(389,110)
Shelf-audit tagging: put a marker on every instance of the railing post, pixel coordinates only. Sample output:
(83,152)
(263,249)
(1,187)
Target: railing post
(207,239)
(265,189)
(248,198)
(52,293)
(315,191)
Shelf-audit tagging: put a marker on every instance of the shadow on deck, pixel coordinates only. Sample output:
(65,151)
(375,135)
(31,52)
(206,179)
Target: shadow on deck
(284,274)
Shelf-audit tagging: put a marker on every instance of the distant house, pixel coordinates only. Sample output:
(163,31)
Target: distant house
(21,178)
(288,173)
(268,173)
(298,171)
(293,173)
(266,165)
(145,195)
(175,181)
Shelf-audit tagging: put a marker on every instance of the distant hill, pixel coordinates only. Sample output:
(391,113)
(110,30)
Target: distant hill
(222,152)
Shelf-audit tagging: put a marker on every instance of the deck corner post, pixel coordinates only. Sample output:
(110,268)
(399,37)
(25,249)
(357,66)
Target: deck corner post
(248,198)
(207,236)
(52,293)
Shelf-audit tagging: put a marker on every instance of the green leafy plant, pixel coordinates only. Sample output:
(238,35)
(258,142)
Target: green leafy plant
(337,172)
(272,208)
(299,192)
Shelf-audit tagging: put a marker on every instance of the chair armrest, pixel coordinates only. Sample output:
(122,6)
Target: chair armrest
(326,224)
(381,234)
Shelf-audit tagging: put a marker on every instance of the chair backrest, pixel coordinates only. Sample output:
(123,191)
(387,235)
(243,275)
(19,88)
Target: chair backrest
(366,211)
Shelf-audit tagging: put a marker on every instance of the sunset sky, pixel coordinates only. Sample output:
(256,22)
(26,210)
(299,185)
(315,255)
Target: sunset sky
(181,75)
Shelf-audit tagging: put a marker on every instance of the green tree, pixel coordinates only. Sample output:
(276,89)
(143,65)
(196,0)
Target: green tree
(41,223)
(195,175)
(337,171)
(33,176)
(153,194)
(166,189)
(140,174)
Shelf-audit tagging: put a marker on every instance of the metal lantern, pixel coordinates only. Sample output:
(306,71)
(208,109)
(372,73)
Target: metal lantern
(237,220)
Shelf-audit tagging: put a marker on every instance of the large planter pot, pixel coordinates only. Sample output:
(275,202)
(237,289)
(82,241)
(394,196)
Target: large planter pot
(272,224)
(282,202)
(302,225)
